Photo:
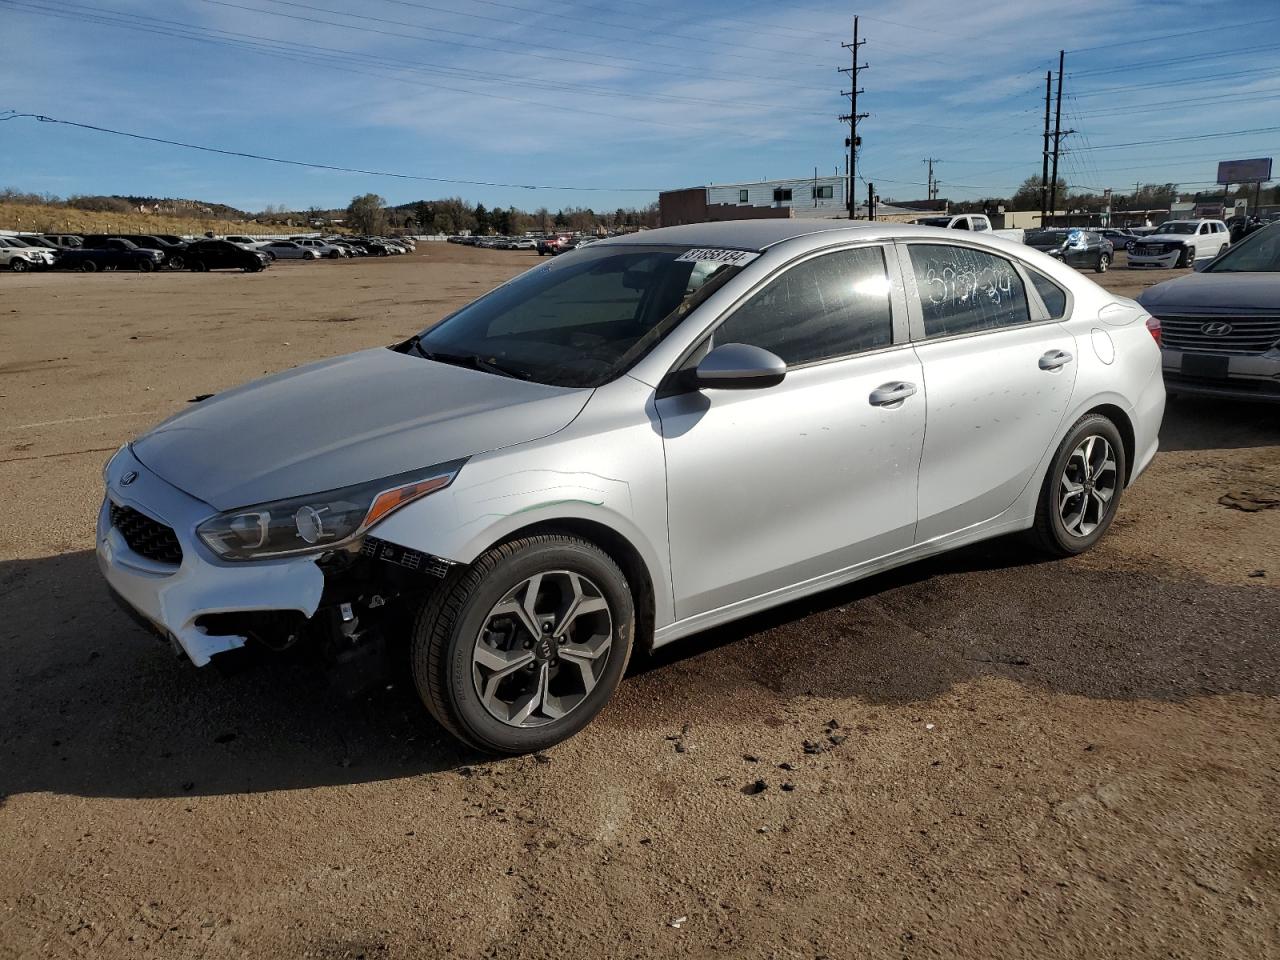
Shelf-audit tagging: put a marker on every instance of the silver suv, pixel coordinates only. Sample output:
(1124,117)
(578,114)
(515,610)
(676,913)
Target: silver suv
(631,443)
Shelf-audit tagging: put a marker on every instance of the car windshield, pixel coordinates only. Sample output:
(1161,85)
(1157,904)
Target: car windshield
(1256,253)
(582,319)
(932,221)
(1178,226)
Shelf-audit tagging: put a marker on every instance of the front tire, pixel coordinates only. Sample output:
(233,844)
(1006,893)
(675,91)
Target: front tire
(1188,258)
(18,265)
(195,266)
(520,650)
(145,266)
(1104,261)
(1082,490)
(88,266)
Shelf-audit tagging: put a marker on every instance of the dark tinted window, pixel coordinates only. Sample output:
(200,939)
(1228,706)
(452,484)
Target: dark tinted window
(830,306)
(1054,297)
(963,290)
(584,317)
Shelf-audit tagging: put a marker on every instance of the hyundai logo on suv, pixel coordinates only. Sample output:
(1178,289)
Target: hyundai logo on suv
(1217,328)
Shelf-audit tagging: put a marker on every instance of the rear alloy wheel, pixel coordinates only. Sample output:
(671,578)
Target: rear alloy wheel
(18,265)
(1104,261)
(175,263)
(522,649)
(1082,490)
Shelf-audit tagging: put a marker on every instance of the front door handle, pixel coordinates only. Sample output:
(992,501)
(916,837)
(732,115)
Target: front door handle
(887,394)
(1055,360)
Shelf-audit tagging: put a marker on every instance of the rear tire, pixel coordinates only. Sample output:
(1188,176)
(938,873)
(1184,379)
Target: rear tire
(1081,492)
(462,634)
(175,263)
(1104,261)
(88,266)
(195,266)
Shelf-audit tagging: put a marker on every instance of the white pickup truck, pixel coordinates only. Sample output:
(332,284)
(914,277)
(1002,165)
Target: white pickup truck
(977,222)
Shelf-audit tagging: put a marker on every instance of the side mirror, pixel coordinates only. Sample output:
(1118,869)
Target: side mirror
(739,366)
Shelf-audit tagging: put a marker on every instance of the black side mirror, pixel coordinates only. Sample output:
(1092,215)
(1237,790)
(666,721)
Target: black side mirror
(739,366)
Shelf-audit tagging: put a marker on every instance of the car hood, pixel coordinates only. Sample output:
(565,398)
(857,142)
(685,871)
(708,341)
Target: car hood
(1167,237)
(1209,293)
(343,421)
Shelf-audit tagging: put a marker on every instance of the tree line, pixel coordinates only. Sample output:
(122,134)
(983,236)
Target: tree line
(1145,196)
(370,213)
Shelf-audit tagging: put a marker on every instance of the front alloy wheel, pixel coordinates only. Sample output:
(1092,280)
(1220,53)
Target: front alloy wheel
(542,649)
(521,649)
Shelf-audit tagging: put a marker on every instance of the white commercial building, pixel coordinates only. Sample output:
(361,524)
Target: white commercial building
(808,197)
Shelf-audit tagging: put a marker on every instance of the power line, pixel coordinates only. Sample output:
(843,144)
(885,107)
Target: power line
(1106,91)
(1191,58)
(1169,36)
(1202,136)
(324,166)
(310,53)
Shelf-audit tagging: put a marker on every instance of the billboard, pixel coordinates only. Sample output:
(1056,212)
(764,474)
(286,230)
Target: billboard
(1244,171)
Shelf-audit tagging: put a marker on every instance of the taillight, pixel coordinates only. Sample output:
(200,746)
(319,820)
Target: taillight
(1153,327)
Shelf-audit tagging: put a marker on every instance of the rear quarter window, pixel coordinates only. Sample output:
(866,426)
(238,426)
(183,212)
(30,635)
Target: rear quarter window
(1053,296)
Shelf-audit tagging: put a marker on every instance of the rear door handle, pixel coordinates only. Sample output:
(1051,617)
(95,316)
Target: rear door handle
(1055,360)
(887,394)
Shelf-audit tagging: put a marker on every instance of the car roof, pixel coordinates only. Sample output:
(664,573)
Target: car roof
(751,234)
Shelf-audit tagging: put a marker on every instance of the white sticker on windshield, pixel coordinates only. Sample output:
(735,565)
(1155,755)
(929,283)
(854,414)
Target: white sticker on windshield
(735,258)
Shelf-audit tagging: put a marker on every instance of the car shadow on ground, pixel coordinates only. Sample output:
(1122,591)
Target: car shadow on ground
(93,706)
(1199,423)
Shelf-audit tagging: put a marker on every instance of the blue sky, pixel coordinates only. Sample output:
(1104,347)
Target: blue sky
(604,93)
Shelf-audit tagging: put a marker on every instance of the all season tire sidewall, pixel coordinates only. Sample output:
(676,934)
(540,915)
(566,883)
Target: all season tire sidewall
(1094,425)
(459,685)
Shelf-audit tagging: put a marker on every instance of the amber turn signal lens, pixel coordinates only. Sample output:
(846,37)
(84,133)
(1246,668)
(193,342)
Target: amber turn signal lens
(391,500)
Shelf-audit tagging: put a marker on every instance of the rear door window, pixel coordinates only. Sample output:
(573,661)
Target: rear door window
(963,290)
(830,306)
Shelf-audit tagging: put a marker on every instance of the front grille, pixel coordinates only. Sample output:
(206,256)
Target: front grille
(1245,335)
(146,537)
(1150,250)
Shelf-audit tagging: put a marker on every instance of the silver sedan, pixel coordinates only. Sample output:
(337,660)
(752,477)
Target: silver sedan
(634,442)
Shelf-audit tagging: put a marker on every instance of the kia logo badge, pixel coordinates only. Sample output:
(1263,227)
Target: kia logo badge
(1216,329)
(128,478)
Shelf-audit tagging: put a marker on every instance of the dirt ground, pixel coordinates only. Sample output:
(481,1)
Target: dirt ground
(1004,758)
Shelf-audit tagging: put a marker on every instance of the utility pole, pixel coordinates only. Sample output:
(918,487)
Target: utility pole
(1058,134)
(853,116)
(1044,157)
(871,200)
(933,184)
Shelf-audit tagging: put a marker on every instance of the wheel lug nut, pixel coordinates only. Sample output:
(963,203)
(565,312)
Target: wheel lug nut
(528,644)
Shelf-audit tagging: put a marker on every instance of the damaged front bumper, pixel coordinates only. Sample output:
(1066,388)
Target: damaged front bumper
(155,563)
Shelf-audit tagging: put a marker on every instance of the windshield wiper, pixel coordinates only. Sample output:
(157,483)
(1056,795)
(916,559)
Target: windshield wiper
(474,361)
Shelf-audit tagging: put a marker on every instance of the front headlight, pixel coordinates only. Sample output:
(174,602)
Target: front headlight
(320,521)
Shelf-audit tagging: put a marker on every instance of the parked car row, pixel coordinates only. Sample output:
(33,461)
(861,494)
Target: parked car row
(90,253)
